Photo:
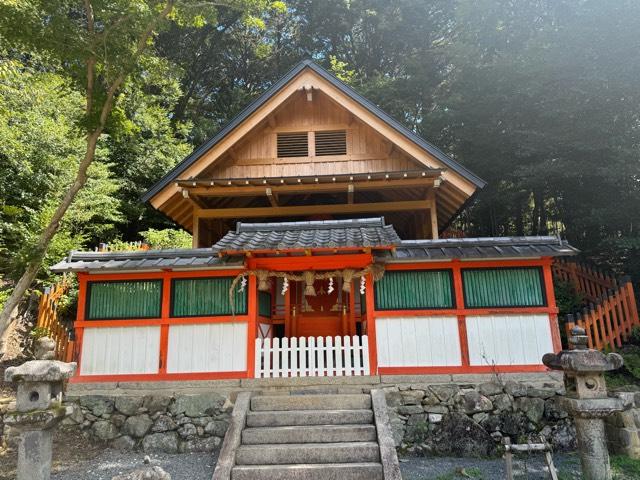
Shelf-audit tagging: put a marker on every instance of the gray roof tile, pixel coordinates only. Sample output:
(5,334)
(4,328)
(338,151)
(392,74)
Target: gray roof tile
(356,233)
(487,247)
(144,260)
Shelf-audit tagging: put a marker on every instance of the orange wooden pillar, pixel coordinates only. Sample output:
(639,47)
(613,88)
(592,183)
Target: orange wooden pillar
(252,322)
(164,326)
(289,329)
(371,325)
(80,317)
(352,309)
(462,319)
(551,303)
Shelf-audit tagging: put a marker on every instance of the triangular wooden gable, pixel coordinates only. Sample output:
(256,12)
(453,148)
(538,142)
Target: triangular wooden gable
(310,99)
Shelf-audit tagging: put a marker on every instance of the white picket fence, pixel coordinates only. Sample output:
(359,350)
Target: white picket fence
(312,357)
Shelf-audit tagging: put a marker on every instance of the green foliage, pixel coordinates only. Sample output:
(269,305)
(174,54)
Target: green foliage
(629,374)
(625,468)
(634,337)
(40,147)
(4,294)
(631,358)
(538,98)
(473,472)
(568,299)
(167,238)
(341,70)
(38,332)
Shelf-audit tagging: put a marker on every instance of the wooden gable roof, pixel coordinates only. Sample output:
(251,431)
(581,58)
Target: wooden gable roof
(216,159)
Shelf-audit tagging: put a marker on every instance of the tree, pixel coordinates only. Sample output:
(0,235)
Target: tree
(40,148)
(101,44)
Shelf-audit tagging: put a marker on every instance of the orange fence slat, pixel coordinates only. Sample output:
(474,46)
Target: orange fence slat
(612,312)
(48,320)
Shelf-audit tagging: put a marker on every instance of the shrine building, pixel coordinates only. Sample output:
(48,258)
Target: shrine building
(317,222)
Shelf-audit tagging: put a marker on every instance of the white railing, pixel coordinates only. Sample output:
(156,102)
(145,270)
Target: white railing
(312,357)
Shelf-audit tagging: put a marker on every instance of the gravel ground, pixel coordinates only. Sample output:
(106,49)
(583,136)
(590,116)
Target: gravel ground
(199,466)
(448,468)
(75,458)
(187,466)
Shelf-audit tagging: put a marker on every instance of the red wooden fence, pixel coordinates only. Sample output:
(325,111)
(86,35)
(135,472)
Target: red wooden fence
(48,320)
(588,281)
(611,311)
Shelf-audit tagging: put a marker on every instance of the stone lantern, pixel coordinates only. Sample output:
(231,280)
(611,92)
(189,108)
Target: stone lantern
(586,400)
(38,409)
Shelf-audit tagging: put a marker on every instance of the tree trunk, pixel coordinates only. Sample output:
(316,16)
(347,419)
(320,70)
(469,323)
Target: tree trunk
(49,232)
(47,235)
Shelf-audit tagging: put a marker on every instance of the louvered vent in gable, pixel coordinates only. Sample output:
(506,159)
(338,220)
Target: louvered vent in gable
(332,142)
(294,144)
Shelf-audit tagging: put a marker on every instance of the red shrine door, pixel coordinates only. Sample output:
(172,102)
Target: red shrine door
(325,314)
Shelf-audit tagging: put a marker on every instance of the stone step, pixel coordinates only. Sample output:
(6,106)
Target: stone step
(309,417)
(309,434)
(324,471)
(287,453)
(310,402)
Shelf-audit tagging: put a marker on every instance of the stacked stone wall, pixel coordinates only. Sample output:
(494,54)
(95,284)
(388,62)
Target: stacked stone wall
(4,406)
(448,418)
(471,420)
(152,423)
(623,430)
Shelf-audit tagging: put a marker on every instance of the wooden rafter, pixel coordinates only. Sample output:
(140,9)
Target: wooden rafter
(273,197)
(350,192)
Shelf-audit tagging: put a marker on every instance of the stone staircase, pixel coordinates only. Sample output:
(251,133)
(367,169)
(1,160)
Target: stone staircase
(328,437)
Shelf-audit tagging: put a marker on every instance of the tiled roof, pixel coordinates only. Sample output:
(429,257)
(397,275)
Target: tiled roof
(356,233)
(481,248)
(145,260)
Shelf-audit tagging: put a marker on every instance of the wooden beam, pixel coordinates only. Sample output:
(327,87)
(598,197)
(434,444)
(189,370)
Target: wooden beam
(302,210)
(273,198)
(306,188)
(350,191)
(309,90)
(196,229)
(193,199)
(433,213)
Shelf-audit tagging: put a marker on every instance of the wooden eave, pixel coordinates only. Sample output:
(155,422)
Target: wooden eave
(401,192)
(223,187)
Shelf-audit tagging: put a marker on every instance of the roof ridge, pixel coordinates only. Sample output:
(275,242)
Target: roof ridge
(476,240)
(310,225)
(158,253)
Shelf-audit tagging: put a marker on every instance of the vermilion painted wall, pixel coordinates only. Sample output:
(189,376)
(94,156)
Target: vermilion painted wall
(459,317)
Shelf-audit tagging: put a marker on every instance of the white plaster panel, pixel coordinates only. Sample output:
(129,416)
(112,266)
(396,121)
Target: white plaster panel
(209,347)
(508,339)
(418,341)
(120,350)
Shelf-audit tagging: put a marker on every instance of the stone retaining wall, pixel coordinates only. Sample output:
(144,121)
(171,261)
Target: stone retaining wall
(152,423)
(463,416)
(471,420)
(4,406)
(623,430)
